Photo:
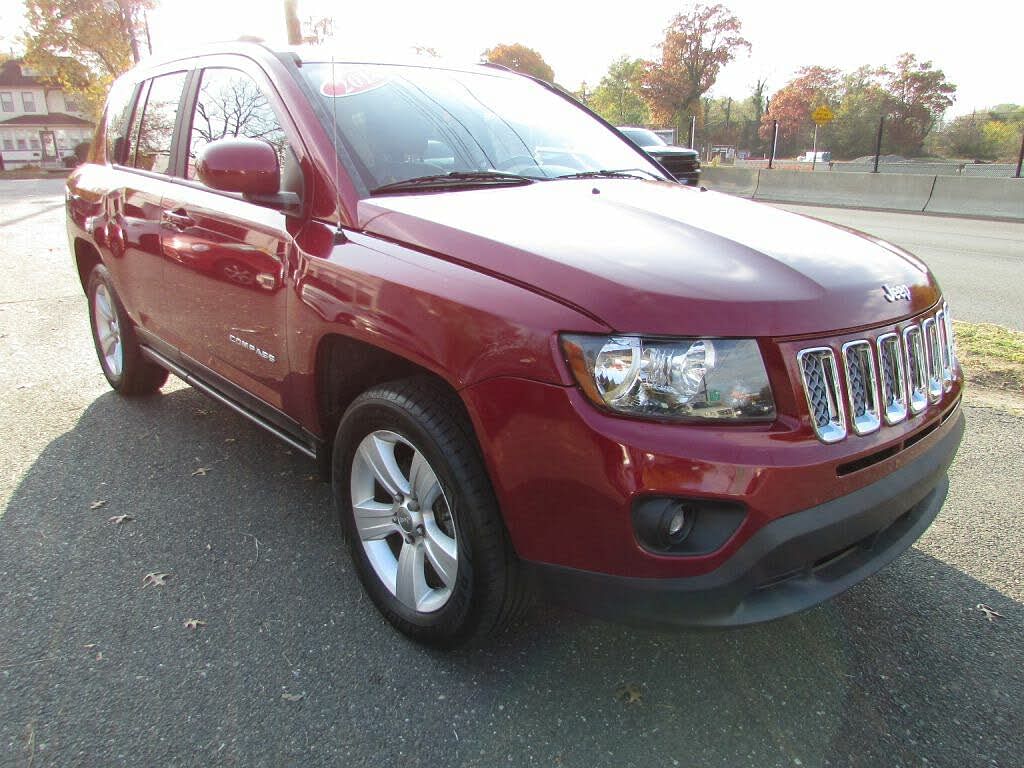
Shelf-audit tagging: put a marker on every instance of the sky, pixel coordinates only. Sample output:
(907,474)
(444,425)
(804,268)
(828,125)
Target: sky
(974,45)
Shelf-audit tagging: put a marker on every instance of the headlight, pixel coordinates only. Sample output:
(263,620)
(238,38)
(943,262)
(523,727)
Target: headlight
(672,378)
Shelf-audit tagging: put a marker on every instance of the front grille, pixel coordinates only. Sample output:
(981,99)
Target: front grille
(890,377)
(679,166)
(821,385)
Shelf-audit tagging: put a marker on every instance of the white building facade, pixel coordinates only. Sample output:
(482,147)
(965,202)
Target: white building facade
(39,124)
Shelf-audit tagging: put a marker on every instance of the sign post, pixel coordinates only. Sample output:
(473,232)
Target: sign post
(821,116)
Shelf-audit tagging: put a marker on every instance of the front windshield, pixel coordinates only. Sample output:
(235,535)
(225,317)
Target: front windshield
(406,122)
(643,138)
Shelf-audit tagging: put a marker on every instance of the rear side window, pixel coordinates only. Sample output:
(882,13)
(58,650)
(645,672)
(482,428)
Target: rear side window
(231,104)
(119,115)
(156,130)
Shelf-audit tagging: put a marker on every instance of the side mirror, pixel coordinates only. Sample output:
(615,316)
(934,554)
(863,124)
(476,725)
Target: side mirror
(248,166)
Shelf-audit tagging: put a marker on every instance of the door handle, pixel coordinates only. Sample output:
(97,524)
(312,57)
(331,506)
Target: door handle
(177,219)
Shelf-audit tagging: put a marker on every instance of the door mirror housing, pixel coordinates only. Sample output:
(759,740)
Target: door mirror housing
(248,167)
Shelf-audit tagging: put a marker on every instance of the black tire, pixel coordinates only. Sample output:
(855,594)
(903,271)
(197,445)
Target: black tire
(138,376)
(490,591)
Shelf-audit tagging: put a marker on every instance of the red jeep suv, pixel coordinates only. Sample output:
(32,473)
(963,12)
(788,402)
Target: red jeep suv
(526,359)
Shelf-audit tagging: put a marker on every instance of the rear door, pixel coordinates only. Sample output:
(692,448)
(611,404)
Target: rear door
(226,258)
(142,162)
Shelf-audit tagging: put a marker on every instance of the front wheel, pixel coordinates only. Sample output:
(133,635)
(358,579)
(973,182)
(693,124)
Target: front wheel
(128,372)
(421,520)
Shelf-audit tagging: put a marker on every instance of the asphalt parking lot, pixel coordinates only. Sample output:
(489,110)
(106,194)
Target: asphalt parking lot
(292,666)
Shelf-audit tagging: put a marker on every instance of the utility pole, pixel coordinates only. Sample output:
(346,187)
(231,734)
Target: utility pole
(878,142)
(775,142)
(1020,157)
(693,130)
(292,23)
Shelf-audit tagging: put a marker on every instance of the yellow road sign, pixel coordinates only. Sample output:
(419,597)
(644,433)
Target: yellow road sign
(822,115)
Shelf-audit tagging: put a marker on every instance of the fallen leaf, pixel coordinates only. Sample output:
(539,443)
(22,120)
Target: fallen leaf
(201,412)
(98,504)
(990,614)
(201,471)
(155,579)
(120,519)
(292,696)
(229,439)
(194,623)
(629,694)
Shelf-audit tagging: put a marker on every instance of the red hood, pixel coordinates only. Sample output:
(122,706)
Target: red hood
(659,258)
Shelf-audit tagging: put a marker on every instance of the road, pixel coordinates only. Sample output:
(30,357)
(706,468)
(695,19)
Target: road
(294,667)
(980,264)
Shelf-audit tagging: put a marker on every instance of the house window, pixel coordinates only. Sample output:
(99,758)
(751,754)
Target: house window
(34,142)
(8,143)
(22,144)
(28,101)
(71,105)
(7,101)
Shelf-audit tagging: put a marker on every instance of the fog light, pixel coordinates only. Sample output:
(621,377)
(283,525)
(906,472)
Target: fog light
(676,524)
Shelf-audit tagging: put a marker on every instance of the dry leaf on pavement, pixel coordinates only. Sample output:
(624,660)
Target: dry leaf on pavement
(292,696)
(201,471)
(194,623)
(990,614)
(98,504)
(155,579)
(120,519)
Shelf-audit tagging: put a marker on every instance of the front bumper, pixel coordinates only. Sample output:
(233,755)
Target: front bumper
(788,565)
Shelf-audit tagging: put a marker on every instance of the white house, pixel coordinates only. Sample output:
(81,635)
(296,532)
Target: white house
(39,125)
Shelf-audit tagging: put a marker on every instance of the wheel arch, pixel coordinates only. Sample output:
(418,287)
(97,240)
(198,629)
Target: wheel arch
(87,257)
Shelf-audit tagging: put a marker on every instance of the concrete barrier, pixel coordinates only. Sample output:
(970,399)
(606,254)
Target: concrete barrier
(966,196)
(859,190)
(741,182)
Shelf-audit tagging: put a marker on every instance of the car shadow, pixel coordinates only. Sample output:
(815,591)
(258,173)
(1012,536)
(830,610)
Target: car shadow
(289,663)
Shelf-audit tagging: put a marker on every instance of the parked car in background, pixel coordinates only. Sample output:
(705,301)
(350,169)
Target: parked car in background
(523,355)
(815,157)
(682,163)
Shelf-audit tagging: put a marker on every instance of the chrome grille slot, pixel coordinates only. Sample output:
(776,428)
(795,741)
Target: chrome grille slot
(942,325)
(820,379)
(917,371)
(933,358)
(861,386)
(893,378)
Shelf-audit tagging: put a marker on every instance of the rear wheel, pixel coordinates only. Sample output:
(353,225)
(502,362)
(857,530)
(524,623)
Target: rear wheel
(127,370)
(420,516)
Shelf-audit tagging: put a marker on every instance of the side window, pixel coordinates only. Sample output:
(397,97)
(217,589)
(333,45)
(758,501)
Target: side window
(230,103)
(156,131)
(119,115)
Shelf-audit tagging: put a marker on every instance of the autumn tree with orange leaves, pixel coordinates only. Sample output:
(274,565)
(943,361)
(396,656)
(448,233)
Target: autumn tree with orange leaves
(697,44)
(521,59)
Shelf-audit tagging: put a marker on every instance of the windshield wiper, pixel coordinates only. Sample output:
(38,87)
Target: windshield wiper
(623,174)
(454,179)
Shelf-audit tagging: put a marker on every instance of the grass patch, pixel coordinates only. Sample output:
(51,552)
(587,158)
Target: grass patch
(991,355)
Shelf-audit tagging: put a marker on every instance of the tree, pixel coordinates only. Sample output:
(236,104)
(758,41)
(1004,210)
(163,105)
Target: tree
(697,45)
(83,45)
(863,101)
(918,95)
(793,103)
(521,59)
(618,98)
